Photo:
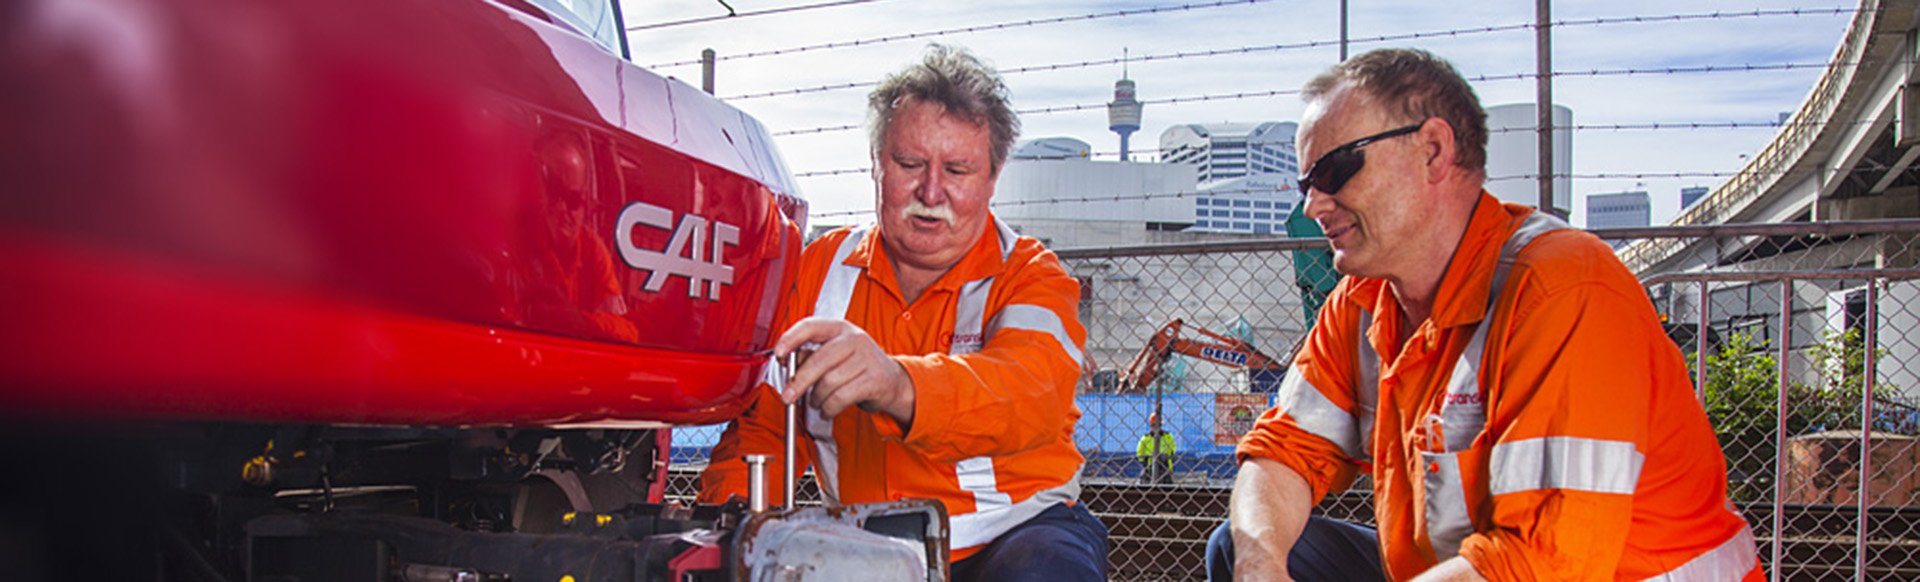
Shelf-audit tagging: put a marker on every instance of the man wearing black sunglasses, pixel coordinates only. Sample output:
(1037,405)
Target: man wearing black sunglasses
(1501,377)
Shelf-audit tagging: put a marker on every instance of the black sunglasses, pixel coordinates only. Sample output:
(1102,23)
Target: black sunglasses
(1334,168)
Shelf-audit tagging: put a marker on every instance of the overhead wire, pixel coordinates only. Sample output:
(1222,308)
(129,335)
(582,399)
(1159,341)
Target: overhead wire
(731,14)
(1216,192)
(1331,42)
(1637,126)
(1095,198)
(967,29)
(1700,69)
(1090,155)
(1672,70)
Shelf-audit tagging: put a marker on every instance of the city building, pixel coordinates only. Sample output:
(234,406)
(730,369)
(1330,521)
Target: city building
(1692,194)
(1048,191)
(1513,155)
(1223,151)
(1051,148)
(1255,204)
(1619,210)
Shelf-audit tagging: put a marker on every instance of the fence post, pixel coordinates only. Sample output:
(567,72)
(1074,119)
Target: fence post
(1700,348)
(706,70)
(1780,423)
(1870,343)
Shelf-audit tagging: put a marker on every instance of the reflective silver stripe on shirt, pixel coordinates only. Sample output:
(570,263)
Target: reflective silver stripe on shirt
(1367,393)
(983,525)
(826,454)
(1563,462)
(1463,413)
(1448,521)
(1535,224)
(1040,319)
(976,476)
(1313,412)
(1007,237)
(970,317)
(1730,561)
(995,511)
(836,292)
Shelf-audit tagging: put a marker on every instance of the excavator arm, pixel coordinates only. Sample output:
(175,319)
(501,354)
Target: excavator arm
(1171,339)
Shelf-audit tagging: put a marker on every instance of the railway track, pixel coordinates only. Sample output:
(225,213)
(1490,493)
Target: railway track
(1160,533)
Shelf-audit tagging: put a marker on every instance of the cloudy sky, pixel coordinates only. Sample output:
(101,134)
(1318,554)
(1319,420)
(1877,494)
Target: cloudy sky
(1670,34)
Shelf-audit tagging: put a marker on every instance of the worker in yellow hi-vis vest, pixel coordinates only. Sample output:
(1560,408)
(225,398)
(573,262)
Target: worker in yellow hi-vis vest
(1155,453)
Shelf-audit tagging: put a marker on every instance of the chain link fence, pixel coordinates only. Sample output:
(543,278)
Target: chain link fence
(1811,377)
(1792,317)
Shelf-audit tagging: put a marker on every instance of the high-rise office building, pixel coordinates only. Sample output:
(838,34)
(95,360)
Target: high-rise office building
(1224,151)
(1253,204)
(1619,210)
(1692,194)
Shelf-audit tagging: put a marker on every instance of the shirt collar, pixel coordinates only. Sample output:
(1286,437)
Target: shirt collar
(983,260)
(1462,297)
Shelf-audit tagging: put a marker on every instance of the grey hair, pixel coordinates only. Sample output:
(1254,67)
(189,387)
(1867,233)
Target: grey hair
(961,84)
(1415,85)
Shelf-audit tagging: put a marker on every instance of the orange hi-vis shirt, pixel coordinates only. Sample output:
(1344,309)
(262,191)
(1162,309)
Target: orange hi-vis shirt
(1572,448)
(994,349)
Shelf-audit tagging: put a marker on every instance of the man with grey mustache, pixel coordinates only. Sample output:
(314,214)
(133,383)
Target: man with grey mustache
(941,348)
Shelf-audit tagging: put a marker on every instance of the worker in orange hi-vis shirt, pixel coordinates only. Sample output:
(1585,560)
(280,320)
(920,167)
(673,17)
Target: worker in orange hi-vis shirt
(1502,377)
(948,346)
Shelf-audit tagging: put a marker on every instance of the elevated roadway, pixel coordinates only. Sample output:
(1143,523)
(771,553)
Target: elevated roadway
(1846,154)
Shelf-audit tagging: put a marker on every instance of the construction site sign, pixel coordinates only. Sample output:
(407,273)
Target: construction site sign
(1233,415)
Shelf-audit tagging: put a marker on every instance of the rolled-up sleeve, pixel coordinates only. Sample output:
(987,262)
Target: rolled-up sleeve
(1315,424)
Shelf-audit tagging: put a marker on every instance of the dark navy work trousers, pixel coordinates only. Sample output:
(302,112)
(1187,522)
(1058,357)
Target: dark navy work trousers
(1063,543)
(1329,549)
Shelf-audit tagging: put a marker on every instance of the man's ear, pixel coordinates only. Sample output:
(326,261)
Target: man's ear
(1436,141)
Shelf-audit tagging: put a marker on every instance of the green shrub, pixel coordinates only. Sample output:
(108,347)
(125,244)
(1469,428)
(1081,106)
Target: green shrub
(1742,398)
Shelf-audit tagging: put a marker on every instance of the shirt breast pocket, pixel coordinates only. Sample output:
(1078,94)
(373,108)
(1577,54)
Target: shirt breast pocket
(1444,482)
(1444,473)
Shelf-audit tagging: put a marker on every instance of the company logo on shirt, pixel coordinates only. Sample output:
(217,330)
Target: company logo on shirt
(967,343)
(1469,399)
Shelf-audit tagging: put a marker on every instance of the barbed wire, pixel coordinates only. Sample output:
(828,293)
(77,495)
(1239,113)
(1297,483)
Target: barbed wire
(1640,126)
(1632,175)
(1289,188)
(1624,72)
(1149,58)
(1330,42)
(1096,198)
(1687,125)
(967,29)
(1664,70)
(731,14)
(1090,155)
(839,172)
